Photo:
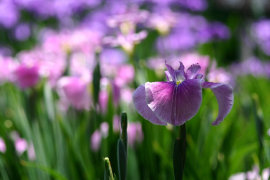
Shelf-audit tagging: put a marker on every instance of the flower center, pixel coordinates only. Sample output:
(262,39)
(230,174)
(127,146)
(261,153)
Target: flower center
(178,82)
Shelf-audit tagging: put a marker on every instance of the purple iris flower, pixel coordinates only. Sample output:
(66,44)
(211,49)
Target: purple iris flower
(179,99)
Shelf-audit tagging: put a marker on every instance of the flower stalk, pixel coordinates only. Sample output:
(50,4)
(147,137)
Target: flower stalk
(179,153)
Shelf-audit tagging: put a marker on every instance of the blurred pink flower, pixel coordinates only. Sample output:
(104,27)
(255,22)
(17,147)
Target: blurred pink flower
(116,123)
(2,145)
(73,91)
(125,74)
(82,65)
(103,100)
(21,145)
(96,140)
(127,42)
(7,66)
(26,76)
(135,133)
(126,95)
(252,175)
(219,75)
(162,20)
(51,64)
(31,152)
(104,128)
(82,40)
(128,20)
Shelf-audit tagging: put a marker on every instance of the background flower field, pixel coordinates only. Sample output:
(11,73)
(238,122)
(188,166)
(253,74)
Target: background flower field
(68,70)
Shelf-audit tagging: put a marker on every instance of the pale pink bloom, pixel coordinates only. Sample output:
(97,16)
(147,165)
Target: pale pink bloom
(268,132)
(51,64)
(219,75)
(116,123)
(31,152)
(82,39)
(96,140)
(7,67)
(74,91)
(135,133)
(163,20)
(3,147)
(82,65)
(156,63)
(85,40)
(127,21)
(21,145)
(127,42)
(125,74)
(126,95)
(252,175)
(104,128)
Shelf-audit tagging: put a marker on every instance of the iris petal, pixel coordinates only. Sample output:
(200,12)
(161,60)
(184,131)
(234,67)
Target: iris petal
(174,104)
(159,97)
(171,71)
(225,98)
(168,76)
(188,99)
(193,71)
(142,107)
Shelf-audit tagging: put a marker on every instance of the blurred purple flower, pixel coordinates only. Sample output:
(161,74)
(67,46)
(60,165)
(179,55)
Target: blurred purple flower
(26,75)
(9,14)
(112,57)
(180,40)
(214,31)
(261,30)
(104,128)
(135,133)
(3,147)
(21,145)
(73,91)
(96,20)
(252,66)
(96,140)
(5,51)
(22,32)
(179,99)
(194,5)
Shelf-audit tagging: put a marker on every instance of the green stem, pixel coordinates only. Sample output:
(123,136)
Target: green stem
(179,153)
